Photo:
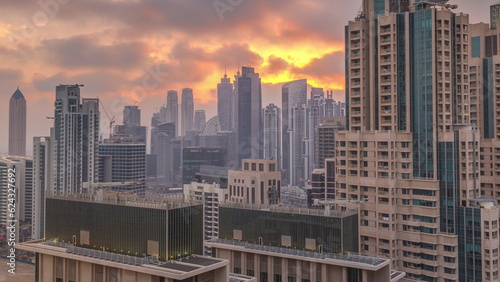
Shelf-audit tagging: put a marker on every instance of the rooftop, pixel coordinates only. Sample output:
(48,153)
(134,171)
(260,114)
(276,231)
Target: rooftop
(288,209)
(175,269)
(122,199)
(361,261)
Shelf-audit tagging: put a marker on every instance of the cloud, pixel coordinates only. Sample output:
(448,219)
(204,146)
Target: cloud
(96,83)
(10,78)
(86,51)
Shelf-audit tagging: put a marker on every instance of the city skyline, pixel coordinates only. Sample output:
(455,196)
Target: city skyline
(198,51)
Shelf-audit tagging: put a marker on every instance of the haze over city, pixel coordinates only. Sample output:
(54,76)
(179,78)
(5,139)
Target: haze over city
(111,46)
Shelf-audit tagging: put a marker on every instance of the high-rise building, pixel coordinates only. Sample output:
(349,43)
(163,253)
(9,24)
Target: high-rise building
(131,128)
(43,180)
(17,124)
(494,15)
(325,138)
(210,194)
(194,157)
(257,182)
(225,97)
(75,140)
(271,115)
(123,160)
(172,110)
(249,114)
(132,115)
(200,120)
(16,193)
(410,156)
(294,119)
(187,110)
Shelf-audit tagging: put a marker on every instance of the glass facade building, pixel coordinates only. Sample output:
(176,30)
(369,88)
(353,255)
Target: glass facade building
(281,228)
(136,228)
(193,158)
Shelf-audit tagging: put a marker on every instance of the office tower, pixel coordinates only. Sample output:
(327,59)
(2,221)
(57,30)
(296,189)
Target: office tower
(225,97)
(325,138)
(272,133)
(132,115)
(257,182)
(410,156)
(75,140)
(164,133)
(224,139)
(294,115)
(194,157)
(187,110)
(131,128)
(199,120)
(17,124)
(43,180)
(16,173)
(123,160)
(295,245)
(494,15)
(172,109)
(249,114)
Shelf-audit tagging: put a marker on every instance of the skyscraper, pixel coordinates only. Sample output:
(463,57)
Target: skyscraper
(123,160)
(172,110)
(200,120)
(131,128)
(17,124)
(187,110)
(249,114)
(22,168)
(272,133)
(43,180)
(225,97)
(410,155)
(494,15)
(132,115)
(75,140)
(294,116)
(194,157)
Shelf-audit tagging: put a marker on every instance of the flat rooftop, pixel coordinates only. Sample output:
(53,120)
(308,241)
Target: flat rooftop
(175,269)
(123,199)
(350,260)
(289,209)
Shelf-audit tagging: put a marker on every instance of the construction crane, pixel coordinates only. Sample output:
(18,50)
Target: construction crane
(329,203)
(111,120)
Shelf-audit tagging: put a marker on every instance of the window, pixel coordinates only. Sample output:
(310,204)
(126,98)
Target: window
(449,270)
(449,259)
(449,249)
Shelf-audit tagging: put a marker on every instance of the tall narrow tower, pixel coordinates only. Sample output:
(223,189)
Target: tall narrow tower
(173,109)
(225,97)
(249,114)
(75,139)
(17,124)
(187,110)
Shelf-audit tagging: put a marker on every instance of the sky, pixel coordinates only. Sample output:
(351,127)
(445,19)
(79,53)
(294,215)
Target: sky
(133,51)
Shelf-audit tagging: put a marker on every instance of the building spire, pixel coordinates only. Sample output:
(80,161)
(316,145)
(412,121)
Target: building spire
(225,71)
